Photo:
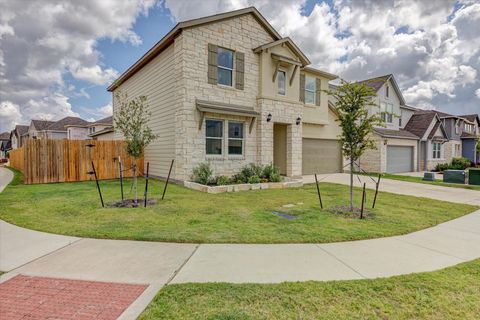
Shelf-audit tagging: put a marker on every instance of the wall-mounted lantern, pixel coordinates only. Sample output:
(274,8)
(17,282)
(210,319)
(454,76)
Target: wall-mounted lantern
(269,117)
(298,121)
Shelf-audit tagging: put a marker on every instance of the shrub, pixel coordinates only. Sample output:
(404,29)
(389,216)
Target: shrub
(248,171)
(460,163)
(440,167)
(222,180)
(271,173)
(254,179)
(202,174)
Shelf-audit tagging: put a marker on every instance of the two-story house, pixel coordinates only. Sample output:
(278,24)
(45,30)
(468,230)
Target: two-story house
(18,135)
(229,90)
(409,139)
(470,137)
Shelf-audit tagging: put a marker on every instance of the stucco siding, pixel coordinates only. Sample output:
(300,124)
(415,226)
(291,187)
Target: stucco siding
(156,81)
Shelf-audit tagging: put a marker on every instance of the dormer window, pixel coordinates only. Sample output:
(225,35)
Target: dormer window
(225,66)
(281,76)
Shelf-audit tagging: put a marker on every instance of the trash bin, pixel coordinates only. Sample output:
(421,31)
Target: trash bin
(454,176)
(474,176)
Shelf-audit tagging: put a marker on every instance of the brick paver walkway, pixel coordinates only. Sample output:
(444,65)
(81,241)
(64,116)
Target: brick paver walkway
(25,297)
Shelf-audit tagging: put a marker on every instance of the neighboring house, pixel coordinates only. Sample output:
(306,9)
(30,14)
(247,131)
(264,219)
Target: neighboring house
(102,129)
(18,135)
(433,139)
(470,137)
(229,90)
(5,144)
(56,130)
(396,148)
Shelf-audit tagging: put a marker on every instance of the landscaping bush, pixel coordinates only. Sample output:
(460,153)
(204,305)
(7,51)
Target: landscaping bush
(460,163)
(202,174)
(247,172)
(271,173)
(222,180)
(254,179)
(440,167)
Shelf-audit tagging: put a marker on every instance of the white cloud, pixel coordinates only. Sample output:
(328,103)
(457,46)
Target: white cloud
(41,42)
(477,93)
(9,115)
(106,110)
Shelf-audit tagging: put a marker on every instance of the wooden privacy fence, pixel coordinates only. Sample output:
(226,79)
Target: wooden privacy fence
(44,161)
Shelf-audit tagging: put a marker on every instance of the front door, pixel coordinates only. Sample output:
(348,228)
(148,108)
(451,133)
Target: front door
(280,147)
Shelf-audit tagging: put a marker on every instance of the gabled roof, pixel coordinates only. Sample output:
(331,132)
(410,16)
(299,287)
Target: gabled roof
(103,131)
(21,129)
(61,125)
(471,117)
(391,133)
(377,82)
(41,124)
(420,122)
(104,121)
(5,136)
(329,76)
(170,36)
(290,44)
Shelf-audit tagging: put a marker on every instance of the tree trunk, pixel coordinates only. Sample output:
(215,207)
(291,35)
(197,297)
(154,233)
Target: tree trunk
(135,201)
(351,185)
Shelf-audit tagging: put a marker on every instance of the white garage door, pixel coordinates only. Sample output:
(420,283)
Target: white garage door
(399,159)
(321,156)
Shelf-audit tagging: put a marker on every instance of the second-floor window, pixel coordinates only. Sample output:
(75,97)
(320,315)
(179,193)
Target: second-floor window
(225,66)
(386,112)
(281,76)
(437,150)
(310,89)
(468,127)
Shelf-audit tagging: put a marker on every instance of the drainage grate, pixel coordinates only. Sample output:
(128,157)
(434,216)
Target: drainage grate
(284,215)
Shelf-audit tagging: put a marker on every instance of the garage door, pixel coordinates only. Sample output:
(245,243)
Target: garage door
(321,156)
(399,159)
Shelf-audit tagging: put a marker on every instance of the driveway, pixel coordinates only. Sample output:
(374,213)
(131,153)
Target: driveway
(155,264)
(455,195)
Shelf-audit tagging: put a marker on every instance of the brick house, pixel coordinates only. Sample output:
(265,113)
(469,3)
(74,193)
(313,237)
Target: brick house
(229,90)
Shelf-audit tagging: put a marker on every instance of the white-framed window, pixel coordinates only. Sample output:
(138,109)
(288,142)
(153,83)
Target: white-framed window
(468,127)
(235,138)
(310,89)
(214,137)
(386,112)
(225,66)
(437,150)
(281,82)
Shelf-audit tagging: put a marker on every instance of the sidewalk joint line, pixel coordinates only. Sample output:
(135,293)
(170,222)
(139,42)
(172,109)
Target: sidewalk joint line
(177,271)
(46,254)
(430,249)
(341,261)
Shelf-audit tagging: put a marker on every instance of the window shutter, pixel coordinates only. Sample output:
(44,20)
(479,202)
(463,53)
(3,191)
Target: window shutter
(239,70)
(212,64)
(302,88)
(318,91)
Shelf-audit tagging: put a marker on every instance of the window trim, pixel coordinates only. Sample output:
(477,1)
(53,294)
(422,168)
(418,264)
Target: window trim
(222,139)
(388,115)
(284,82)
(314,91)
(237,139)
(226,68)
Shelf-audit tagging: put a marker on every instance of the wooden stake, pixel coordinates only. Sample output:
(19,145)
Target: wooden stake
(168,178)
(318,192)
(146,187)
(363,201)
(376,190)
(121,175)
(98,186)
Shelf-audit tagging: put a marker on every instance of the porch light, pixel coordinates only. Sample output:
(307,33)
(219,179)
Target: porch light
(298,121)
(269,117)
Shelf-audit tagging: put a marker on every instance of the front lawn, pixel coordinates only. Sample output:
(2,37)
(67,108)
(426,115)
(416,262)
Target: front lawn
(452,293)
(190,216)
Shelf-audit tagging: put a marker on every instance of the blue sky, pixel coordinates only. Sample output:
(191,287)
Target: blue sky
(57,58)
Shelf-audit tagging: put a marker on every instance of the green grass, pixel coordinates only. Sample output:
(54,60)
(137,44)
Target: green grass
(190,216)
(420,180)
(452,293)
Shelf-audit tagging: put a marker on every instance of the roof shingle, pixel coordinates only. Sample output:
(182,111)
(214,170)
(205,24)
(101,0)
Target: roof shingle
(60,125)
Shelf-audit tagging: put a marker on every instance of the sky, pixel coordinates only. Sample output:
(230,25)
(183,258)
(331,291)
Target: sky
(58,57)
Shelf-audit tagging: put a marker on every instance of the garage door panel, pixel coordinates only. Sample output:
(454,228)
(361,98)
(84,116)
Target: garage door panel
(321,156)
(399,159)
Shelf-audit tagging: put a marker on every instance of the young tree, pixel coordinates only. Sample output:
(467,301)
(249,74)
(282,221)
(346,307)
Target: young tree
(131,119)
(351,101)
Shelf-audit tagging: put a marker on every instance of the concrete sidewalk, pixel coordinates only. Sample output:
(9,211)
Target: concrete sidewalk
(455,195)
